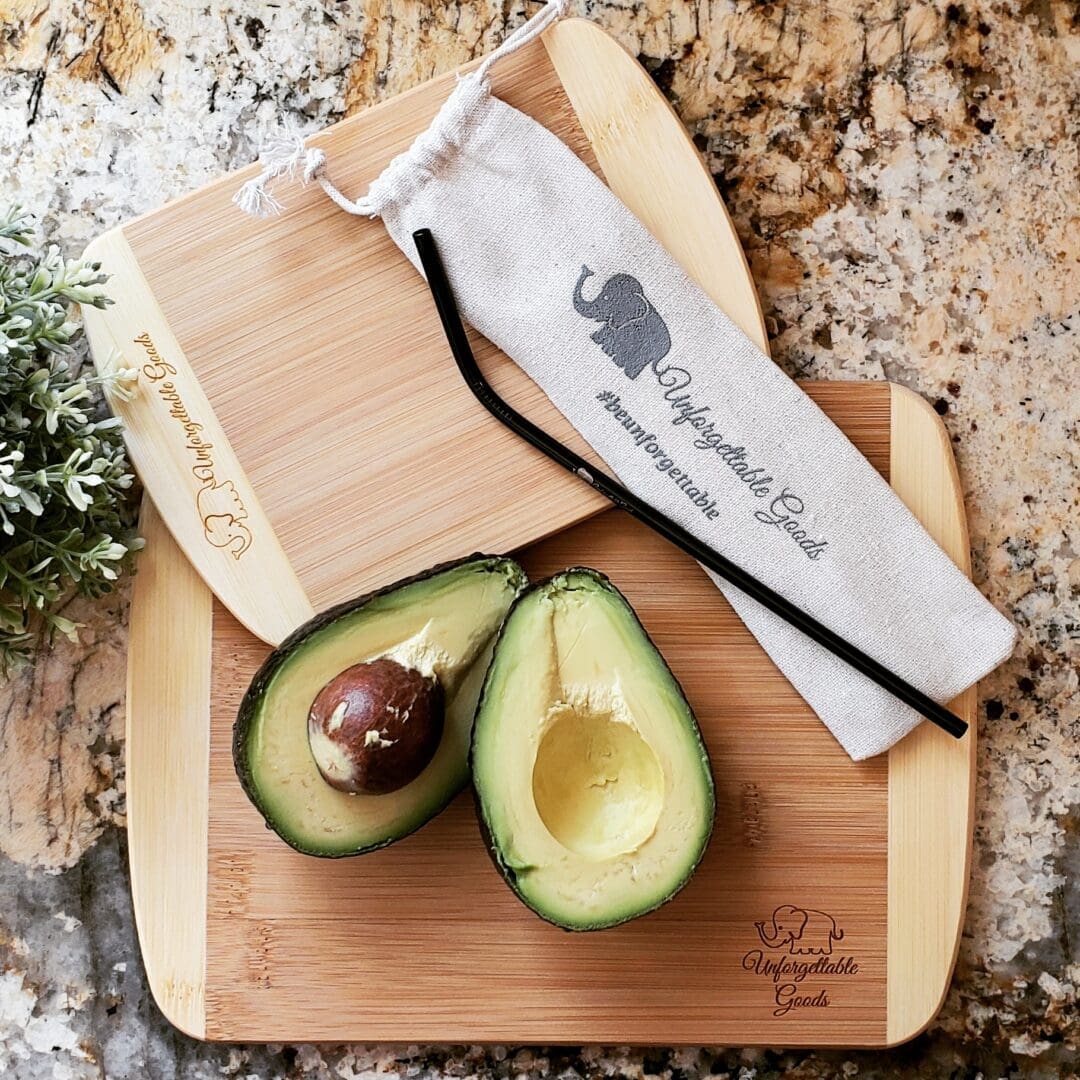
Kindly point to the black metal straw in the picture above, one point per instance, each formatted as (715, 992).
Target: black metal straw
(626, 500)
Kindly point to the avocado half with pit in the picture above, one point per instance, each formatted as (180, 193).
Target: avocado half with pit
(592, 780)
(355, 730)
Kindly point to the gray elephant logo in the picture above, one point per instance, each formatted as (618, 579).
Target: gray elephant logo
(223, 514)
(634, 333)
(802, 931)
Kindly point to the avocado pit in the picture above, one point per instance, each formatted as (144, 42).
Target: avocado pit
(374, 727)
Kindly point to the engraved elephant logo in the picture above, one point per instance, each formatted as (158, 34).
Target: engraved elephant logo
(802, 931)
(223, 514)
(634, 333)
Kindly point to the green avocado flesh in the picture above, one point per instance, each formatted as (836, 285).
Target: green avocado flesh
(442, 623)
(592, 780)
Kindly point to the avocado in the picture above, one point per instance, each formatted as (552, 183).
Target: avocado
(435, 633)
(592, 782)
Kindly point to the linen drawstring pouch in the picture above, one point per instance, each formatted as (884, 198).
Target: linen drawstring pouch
(550, 266)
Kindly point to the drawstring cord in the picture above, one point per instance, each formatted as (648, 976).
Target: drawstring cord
(547, 16)
(284, 152)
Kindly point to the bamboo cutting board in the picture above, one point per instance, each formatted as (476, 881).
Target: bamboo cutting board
(339, 430)
(244, 939)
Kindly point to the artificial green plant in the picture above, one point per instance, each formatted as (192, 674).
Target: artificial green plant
(67, 521)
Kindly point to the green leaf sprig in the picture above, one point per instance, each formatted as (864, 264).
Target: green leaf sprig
(67, 520)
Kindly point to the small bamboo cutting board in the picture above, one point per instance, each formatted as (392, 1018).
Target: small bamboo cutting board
(301, 425)
(244, 939)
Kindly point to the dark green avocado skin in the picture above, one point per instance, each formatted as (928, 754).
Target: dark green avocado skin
(245, 714)
(507, 872)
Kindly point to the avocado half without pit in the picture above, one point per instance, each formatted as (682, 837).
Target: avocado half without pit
(592, 780)
(355, 730)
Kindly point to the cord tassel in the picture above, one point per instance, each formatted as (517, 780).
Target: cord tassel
(285, 152)
(282, 154)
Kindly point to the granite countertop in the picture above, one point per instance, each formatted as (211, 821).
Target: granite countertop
(904, 177)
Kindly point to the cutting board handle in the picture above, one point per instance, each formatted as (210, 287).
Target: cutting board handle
(183, 456)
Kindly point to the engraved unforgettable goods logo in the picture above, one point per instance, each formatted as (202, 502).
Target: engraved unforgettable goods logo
(797, 958)
(636, 337)
(217, 502)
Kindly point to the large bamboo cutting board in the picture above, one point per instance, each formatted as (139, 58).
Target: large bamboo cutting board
(245, 939)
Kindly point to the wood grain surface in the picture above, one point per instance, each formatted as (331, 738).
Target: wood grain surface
(184, 459)
(931, 781)
(167, 748)
(314, 342)
(421, 942)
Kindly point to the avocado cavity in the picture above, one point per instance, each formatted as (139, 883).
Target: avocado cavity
(598, 786)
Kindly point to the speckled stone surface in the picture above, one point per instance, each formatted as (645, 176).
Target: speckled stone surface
(905, 178)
